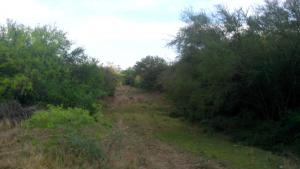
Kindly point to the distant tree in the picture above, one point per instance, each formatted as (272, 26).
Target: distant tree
(149, 69)
(128, 76)
(111, 79)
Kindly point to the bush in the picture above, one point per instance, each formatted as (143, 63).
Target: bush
(240, 72)
(111, 79)
(38, 65)
(128, 76)
(58, 117)
(147, 72)
(68, 136)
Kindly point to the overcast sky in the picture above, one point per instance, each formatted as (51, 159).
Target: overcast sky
(115, 31)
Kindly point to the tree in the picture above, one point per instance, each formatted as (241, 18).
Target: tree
(128, 76)
(149, 70)
(240, 70)
(37, 65)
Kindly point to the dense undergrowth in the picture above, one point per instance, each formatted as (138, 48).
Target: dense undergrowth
(237, 72)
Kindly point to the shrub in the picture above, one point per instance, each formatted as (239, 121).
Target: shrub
(148, 71)
(68, 136)
(58, 117)
(128, 76)
(240, 72)
(38, 65)
(111, 79)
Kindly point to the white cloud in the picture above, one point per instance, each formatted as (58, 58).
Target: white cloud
(103, 29)
(124, 41)
(231, 4)
(29, 11)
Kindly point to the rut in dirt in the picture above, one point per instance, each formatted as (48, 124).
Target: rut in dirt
(132, 147)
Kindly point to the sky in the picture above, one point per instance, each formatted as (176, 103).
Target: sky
(114, 31)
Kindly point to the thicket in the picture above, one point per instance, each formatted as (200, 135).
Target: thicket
(41, 65)
(146, 73)
(239, 72)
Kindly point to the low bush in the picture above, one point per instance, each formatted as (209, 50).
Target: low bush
(58, 117)
(68, 134)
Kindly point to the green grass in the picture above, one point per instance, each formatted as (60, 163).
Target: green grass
(228, 153)
(71, 137)
(153, 120)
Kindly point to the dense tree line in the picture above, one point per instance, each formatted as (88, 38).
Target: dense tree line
(239, 73)
(237, 63)
(39, 65)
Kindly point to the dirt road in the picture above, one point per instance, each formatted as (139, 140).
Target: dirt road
(133, 145)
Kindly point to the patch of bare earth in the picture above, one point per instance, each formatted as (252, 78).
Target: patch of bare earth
(128, 149)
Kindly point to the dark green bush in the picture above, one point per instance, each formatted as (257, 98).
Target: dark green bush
(240, 73)
(128, 76)
(147, 72)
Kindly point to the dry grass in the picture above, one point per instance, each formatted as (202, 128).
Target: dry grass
(18, 151)
(127, 149)
(132, 145)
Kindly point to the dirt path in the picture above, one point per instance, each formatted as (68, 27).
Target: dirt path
(132, 145)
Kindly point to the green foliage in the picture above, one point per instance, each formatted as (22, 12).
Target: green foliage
(57, 117)
(128, 76)
(150, 117)
(38, 65)
(239, 71)
(69, 136)
(147, 72)
(111, 79)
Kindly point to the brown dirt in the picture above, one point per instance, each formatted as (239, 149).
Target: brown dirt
(128, 149)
